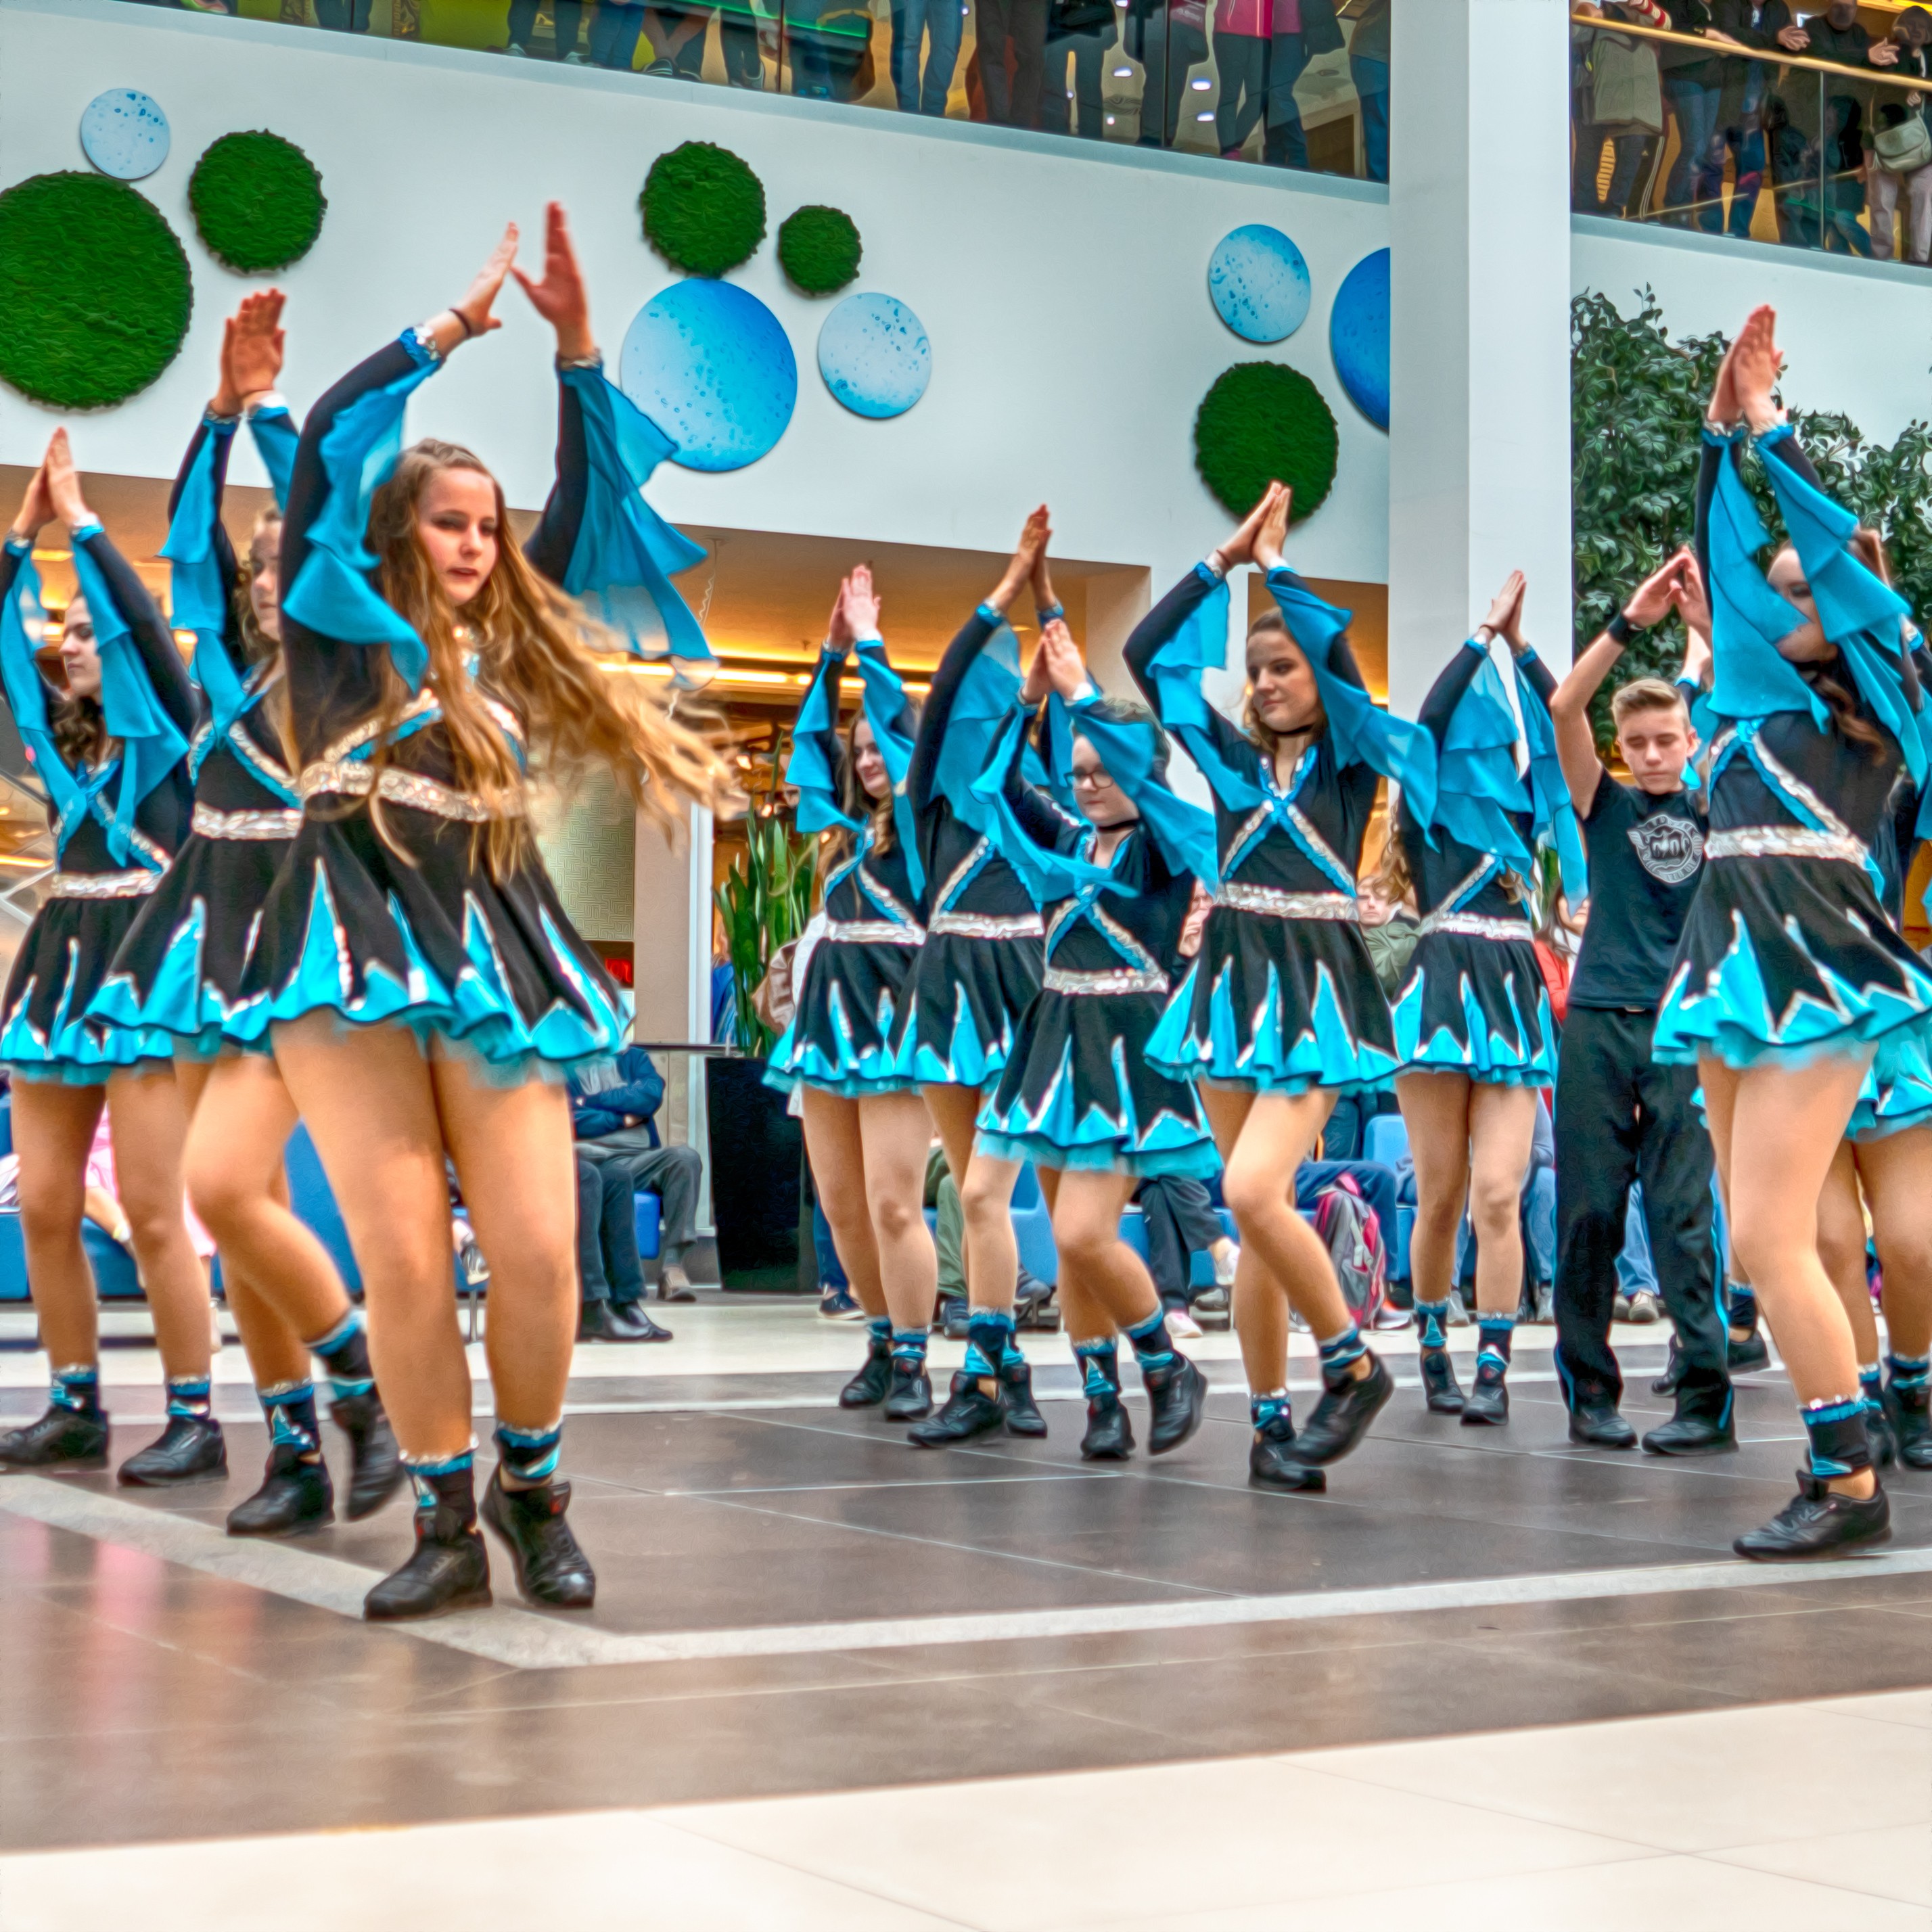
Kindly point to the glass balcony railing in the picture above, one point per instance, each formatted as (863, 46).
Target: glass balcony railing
(1293, 83)
(1766, 144)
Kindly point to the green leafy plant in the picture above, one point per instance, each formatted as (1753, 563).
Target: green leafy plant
(819, 250)
(95, 292)
(257, 200)
(764, 903)
(1262, 422)
(703, 209)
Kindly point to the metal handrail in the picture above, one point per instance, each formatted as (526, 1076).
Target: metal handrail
(1881, 76)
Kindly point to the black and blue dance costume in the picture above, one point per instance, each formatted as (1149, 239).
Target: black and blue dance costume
(116, 823)
(1788, 955)
(1283, 997)
(981, 964)
(844, 1037)
(181, 967)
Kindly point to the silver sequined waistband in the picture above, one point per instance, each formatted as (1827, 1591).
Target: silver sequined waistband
(252, 825)
(874, 932)
(989, 925)
(353, 777)
(1280, 904)
(1476, 926)
(1118, 980)
(135, 885)
(1783, 841)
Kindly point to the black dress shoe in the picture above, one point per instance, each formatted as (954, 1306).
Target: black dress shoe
(1023, 1415)
(1441, 1391)
(63, 1438)
(551, 1568)
(1818, 1522)
(1752, 1352)
(1273, 1464)
(1110, 1433)
(599, 1321)
(1178, 1395)
(449, 1569)
(376, 1471)
(1597, 1425)
(969, 1412)
(1910, 1410)
(867, 1389)
(1341, 1417)
(1880, 1434)
(1687, 1433)
(635, 1320)
(1667, 1383)
(189, 1450)
(1486, 1405)
(910, 1395)
(296, 1498)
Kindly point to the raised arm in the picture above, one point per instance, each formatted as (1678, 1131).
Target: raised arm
(1459, 673)
(561, 299)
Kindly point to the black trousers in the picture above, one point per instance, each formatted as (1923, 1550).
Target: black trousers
(608, 1266)
(1179, 1215)
(1621, 1118)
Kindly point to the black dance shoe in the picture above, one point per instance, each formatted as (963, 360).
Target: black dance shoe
(1818, 1522)
(448, 1571)
(969, 1412)
(1486, 1405)
(190, 1450)
(867, 1389)
(376, 1471)
(1752, 1352)
(1441, 1392)
(1597, 1425)
(1687, 1433)
(1667, 1383)
(63, 1438)
(1023, 1415)
(296, 1498)
(1273, 1463)
(1177, 1396)
(1910, 1411)
(551, 1568)
(635, 1320)
(1110, 1433)
(1341, 1417)
(1882, 1437)
(910, 1395)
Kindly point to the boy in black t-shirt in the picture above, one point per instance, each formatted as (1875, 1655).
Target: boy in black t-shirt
(1621, 1118)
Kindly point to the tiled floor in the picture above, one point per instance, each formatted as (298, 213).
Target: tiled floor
(1486, 1679)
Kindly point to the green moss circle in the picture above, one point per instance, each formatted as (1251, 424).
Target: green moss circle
(257, 201)
(704, 209)
(1262, 422)
(819, 250)
(95, 291)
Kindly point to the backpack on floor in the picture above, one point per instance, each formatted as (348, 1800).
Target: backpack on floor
(1352, 1233)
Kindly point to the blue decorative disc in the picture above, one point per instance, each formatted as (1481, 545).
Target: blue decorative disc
(124, 133)
(874, 356)
(1259, 283)
(1358, 336)
(711, 366)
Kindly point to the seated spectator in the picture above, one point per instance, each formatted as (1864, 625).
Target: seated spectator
(611, 1106)
(610, 1270)
(1178, 1215)
(1390, 929)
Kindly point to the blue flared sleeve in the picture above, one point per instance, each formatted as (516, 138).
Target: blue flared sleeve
(22, 624)
(984, 703)
(1044, 857)
(811, 769)
(890, 713)
(198, 590)
(276, 439)
(1184, 833)
(1170, 669)
(332, 594)
(625, 554)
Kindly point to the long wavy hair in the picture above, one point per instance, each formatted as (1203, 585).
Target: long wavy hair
(539, 654)
(77, 725)
(859, 805)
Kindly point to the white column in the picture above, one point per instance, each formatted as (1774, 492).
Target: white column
(1479, 233)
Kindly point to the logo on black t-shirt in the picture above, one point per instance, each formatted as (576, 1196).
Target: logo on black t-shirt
(1669, 848)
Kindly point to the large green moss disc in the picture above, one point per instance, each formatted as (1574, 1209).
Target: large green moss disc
(94, 290)
(257, 201)
(1262, 422)
(819, 250)
(703, 209)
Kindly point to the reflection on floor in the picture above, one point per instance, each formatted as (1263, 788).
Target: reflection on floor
(1528, 1682)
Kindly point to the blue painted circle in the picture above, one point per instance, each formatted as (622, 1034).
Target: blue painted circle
(874, 356)
(711, 366)
(124, 133)
(1258, 281)
(1358, 336)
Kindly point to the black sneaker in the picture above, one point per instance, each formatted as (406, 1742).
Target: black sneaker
(1818, 1522)
(910, 1395)
(1879, 1432)
(1687, 1433)
(1023, 1415)
(1341, 1417)
(449, 1569)
(954, 1317)
(190, 1450)
(1753, 1351)
(63, 1438)
(1273, 1464)
(1910, 1410)
(969, 1412)
(551, 1568)
(1178, 1395)
(1486, 1405)
(296, 1497)
(1442, 1393)
(1110, 1433)
(376, 1471)
(1597, 1425)
(867, 1389)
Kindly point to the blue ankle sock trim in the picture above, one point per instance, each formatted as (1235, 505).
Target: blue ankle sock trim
(1263, 1409)
(530, 1455)
(1013, 1357)
(1871, 1386)
(1497, 1331)
(989, 1336)
(288, 1408)
(1153, 1348)
(441, 1465)
(880, 1327)
(1836, 1431)
(1339, 1351)
(351, 1325)
(1435, 1318)
(77, 1389)
(1910, 1372)
(187, 1395)
(909, 1344)
(1100, 1363)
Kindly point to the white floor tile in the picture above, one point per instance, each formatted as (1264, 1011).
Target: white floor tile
(1889, 1707)
(1892, 1861)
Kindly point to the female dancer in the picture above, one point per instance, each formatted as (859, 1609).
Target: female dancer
(1281, 1012)
(1473, 1026)
(977, 972)
(1788, 972)
(866, 1130)
(1078, 1098)
(180, 967)
(109, 744)
(424, 985)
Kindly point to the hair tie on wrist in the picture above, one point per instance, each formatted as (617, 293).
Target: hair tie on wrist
(469, 327)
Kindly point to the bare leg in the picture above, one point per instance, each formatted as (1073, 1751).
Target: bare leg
(1502, 1136)
(1087, 1228)
(53, 1129)
(1898, 1175)
(987, 1199)
(150, 1125)
(1436, 1109)
(895, 1131)
(992, 1255)
(1841, 1249)
(838, 1174)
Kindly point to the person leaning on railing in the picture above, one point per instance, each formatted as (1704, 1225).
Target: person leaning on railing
(1759, 25)
(1898, 148)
